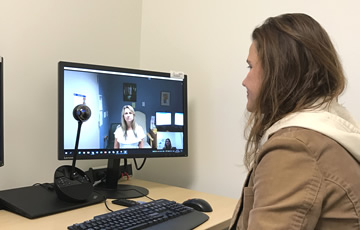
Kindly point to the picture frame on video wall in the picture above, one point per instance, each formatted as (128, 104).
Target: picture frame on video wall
(129, 92)
(165, 98)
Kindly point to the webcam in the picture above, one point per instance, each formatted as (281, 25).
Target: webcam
(71, 183)
(81, 113)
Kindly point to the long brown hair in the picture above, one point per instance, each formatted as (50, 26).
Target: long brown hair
(300, 67)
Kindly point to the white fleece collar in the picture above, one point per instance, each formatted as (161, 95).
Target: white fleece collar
(333, 121)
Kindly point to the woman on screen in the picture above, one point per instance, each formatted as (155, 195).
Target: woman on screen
(129, 134)
(168, 145)
(302, 149)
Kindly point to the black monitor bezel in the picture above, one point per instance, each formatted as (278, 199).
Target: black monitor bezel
(1, 111)
(140, 153)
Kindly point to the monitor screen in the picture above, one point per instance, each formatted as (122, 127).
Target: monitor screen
(124, 104)
(1, 112)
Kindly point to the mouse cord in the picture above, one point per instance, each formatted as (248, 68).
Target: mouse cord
(107, 207)
(48, 186)
(105, 198)
(142, 194)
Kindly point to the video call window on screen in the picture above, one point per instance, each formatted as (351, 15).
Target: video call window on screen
(156, 99)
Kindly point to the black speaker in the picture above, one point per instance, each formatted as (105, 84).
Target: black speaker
(79, 188)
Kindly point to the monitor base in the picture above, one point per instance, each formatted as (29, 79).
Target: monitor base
(122, 191)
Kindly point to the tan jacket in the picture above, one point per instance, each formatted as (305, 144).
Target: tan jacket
(301, 179)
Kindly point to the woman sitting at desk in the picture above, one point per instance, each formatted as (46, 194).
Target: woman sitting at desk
(129, 134)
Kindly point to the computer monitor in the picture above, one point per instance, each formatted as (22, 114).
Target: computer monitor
(1, 112)
(106, 91)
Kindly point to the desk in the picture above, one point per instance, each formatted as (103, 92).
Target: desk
(219, 219)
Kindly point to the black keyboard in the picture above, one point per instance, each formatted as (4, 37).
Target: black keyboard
(159, 214)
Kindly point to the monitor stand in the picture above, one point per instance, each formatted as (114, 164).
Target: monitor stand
(111, 189)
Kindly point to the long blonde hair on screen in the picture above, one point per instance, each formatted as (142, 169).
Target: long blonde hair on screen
(124, 125)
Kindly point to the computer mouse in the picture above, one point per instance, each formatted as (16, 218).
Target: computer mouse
(198, 204)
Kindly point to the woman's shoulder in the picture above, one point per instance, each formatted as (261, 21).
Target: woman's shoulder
(139, 128)
(296, 133)
(294, 140)
(118, 129)
(140, 131)
(300, 134)
(288, 149)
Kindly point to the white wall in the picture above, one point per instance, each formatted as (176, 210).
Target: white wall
(209, 40)
(34, 37)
